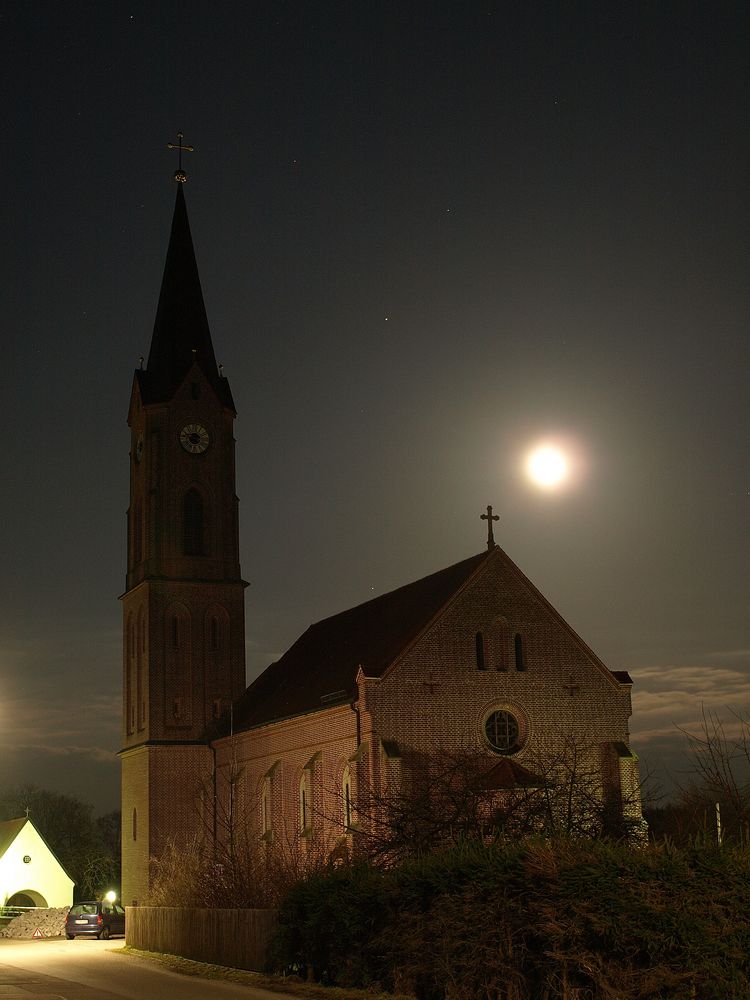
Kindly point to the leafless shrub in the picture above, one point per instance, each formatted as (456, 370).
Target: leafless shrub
(720, 768)
(450, 798)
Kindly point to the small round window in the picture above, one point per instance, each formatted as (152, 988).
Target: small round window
(503, 732)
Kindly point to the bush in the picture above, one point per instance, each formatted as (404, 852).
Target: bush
(330, 923)
(595, 921)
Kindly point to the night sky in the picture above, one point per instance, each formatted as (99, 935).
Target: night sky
(429, 235)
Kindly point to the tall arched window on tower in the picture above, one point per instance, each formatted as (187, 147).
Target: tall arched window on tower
(130, 675)
(178, 687)
(193, 527)
(141, 669)
(137, 534)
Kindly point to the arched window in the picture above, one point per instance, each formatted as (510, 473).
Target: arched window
(347, 799)
(175, 632)
(307, 796)
(137, 534)
(518, 643)
(479, 643)
(140, 669)
(135, 825)
(266, 807)
(304, 802)
(214, 632)
(130, 676)
(192, 524)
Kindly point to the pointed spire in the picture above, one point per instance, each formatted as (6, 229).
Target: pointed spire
(181, 333)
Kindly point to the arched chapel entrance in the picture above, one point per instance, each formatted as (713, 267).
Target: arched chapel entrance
(27, 897)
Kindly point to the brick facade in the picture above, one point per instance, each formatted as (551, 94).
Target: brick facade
(434, 699)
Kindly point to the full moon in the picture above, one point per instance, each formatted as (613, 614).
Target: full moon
(547, 466)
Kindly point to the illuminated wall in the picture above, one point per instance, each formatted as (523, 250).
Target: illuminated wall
(28, 866)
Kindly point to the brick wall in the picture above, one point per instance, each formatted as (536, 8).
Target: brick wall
(312, 750)
(164, 785)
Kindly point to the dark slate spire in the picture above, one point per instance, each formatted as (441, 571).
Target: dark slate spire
(181, 334)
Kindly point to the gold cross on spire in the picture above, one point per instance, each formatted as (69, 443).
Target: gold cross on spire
(179, 175)
(489, 517)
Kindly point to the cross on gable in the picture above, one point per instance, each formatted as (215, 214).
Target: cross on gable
(489, 517)
(570, 687)
(431, 684)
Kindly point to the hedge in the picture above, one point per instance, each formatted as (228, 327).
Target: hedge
(534, 920)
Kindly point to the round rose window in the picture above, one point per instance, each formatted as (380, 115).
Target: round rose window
(503, 732)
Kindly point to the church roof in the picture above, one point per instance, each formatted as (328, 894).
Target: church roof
(321, 667)
(181, 333)
(622, 676)
(9, 830)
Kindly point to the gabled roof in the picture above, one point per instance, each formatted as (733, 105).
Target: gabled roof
(181, 332)
(321, 667)
(9, 830)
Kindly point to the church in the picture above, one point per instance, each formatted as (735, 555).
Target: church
(471, 659)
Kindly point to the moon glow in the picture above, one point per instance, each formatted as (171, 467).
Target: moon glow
(547, 466)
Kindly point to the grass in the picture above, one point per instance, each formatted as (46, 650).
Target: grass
(274, 984)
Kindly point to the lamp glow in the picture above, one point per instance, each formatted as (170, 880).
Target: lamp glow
(111, 896)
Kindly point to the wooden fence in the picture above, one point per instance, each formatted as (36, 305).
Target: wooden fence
(237, 938)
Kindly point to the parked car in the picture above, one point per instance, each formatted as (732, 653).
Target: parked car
(94, 919)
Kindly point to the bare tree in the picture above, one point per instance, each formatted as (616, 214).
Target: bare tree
(719, 765)
(449, 798)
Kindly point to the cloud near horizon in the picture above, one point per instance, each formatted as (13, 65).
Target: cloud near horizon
(72, 724)
(101, 754)
(668, 699)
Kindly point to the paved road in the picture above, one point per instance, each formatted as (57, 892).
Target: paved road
(56, 969)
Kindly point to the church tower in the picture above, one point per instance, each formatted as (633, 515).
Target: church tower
(183, 607)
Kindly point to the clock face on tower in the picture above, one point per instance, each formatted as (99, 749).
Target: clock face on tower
(194, 438)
